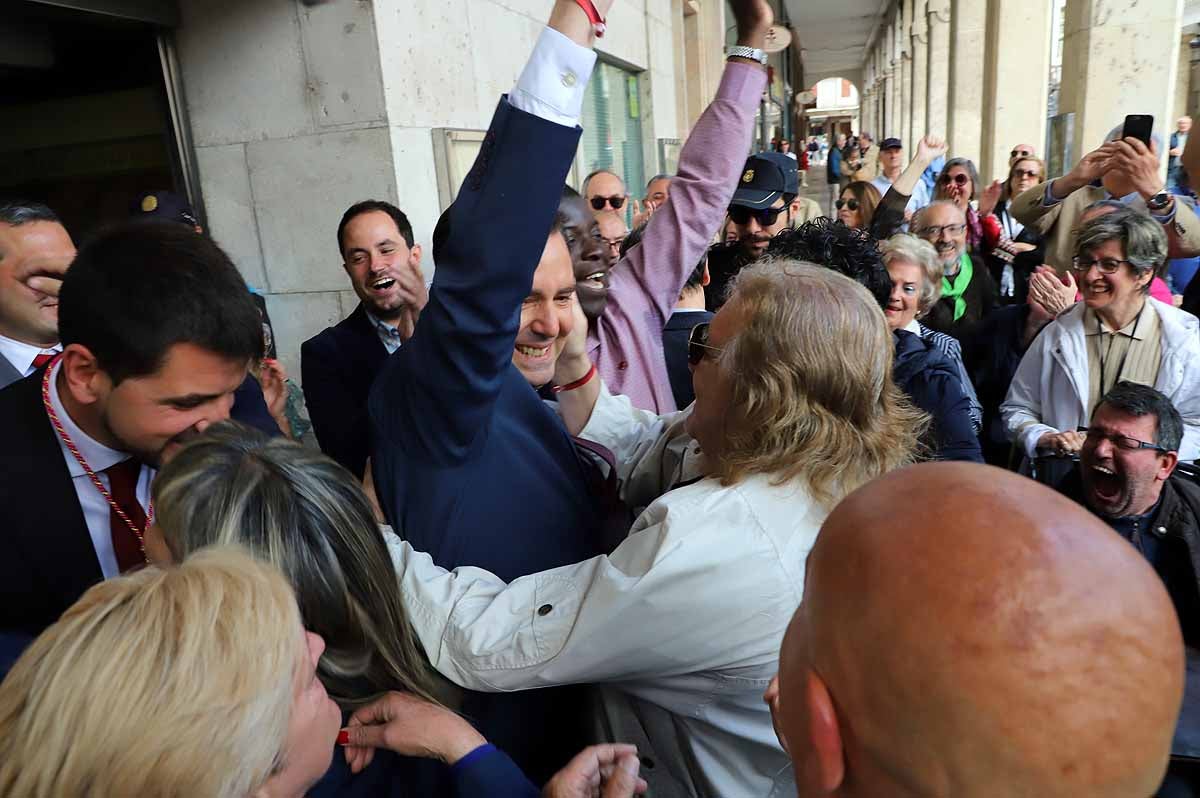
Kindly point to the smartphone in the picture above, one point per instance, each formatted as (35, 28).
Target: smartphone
(1138, 126)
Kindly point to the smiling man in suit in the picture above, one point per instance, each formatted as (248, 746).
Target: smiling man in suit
(157, 331)
(35, 251)
(338, 365)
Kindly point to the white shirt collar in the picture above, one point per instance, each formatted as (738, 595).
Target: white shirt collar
(21, 354)
(913, 326)
(98, 456)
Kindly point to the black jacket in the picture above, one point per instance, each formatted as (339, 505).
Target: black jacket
(1177, 524)
(981, 300)
(675, 346)
(338, 367)
(932, 382)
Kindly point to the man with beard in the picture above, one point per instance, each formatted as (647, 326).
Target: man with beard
(339, 364)
(759, 210)
(1127, 477)
(968, 291)
(35, 251)
(158, 331)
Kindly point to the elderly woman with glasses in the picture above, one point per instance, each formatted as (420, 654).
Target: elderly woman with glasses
(1117, 333)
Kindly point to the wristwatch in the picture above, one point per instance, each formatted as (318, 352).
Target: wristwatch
(1159, 201)
(753, 53)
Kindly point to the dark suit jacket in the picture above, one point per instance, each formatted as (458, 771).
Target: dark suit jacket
(337, 368)
(469, 464)
(48, 559)
(675, 344)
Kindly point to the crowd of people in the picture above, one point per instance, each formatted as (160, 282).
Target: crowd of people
(647, 495)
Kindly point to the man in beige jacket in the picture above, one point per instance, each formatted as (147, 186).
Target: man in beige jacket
(1128, 171)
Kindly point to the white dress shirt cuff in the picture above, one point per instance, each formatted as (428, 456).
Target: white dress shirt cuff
(554, 79)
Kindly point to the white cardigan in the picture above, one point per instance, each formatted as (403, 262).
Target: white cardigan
(681, 624)
(1049, 392)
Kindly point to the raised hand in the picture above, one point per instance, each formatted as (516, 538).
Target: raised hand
(1138, 164)
(989, 197)
(1092, 165)
(753, 18)
(642, 211)
(929, 148)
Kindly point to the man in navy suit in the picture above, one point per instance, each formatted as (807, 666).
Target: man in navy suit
(687, 314)
(339, 365)
(469, 464)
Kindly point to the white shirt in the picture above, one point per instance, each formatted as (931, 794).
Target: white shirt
(682, 622)
(95, 507)
(553, 82)
(21, 354)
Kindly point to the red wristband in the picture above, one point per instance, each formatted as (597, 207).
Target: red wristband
(579, 383)
(593, 16)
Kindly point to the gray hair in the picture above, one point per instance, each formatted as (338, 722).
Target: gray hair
(18, 212)
(1143, 239)
(968, 165)
(583, 189)
(919, 220)
(1142, 400)
(308, 516)
(908, 247)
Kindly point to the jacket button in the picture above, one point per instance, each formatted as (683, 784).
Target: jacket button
(545, 609)
(624, 364)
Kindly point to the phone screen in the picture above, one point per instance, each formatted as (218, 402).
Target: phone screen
(1138, 126)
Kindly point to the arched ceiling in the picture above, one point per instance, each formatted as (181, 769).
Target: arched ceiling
(833, 35)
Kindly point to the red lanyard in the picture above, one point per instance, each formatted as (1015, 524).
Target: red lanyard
(73, 449)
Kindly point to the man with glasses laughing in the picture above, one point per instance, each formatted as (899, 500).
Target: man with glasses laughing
(1127, 477)
(759, 210)
(968, 291)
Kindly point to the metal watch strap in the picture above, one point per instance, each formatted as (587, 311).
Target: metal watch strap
(752, 53)
(1159, 201)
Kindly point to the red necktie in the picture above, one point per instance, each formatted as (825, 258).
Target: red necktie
(42, 360)
(122, 480)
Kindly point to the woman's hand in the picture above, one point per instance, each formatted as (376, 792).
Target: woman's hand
(990, 197)
(606, 771)
(410, 726)
(1061, 443)
(1049, 291)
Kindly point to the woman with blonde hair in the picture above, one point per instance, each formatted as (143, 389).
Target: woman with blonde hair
(795, 407)
(193, 681)
(916, 274)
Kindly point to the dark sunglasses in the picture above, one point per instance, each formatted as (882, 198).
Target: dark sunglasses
(698, 344)
(1021, 153)
(766, 217)
(1025, 173)
(958, 179)
(852, 204)
(599, 202)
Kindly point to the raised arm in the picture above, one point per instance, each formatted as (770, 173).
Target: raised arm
(680, 231)
(435, 394)
(890, 213)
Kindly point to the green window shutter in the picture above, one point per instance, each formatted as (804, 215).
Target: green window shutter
(612, 126)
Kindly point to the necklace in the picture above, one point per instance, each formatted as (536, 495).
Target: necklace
(1111, 340)
(74, 450)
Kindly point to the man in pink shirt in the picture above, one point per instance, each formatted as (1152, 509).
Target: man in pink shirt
(625, 342)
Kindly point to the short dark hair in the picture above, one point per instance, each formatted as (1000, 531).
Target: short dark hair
(659, 176)
(1142, 400)
(16, 212)
(854, 253)
(367, 206)
(141, 287)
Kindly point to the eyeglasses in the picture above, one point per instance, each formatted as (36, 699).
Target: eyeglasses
(959, 179)
(599, 202)
(1120, 441)
(935, 231)
(1105, 265)
(1025, 173)
(852, 204)
(766, 217)
(698, 344)
(1021, 153)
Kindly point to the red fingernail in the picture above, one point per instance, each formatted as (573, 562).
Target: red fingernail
(343, 737)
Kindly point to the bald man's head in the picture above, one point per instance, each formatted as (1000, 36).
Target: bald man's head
(1003, 643)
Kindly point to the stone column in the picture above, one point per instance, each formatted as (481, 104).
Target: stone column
(965, 119)
(895, 107)
(1118, 58)
(1016, 81)
(906, 74)
(919, 44)
(938, 86)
